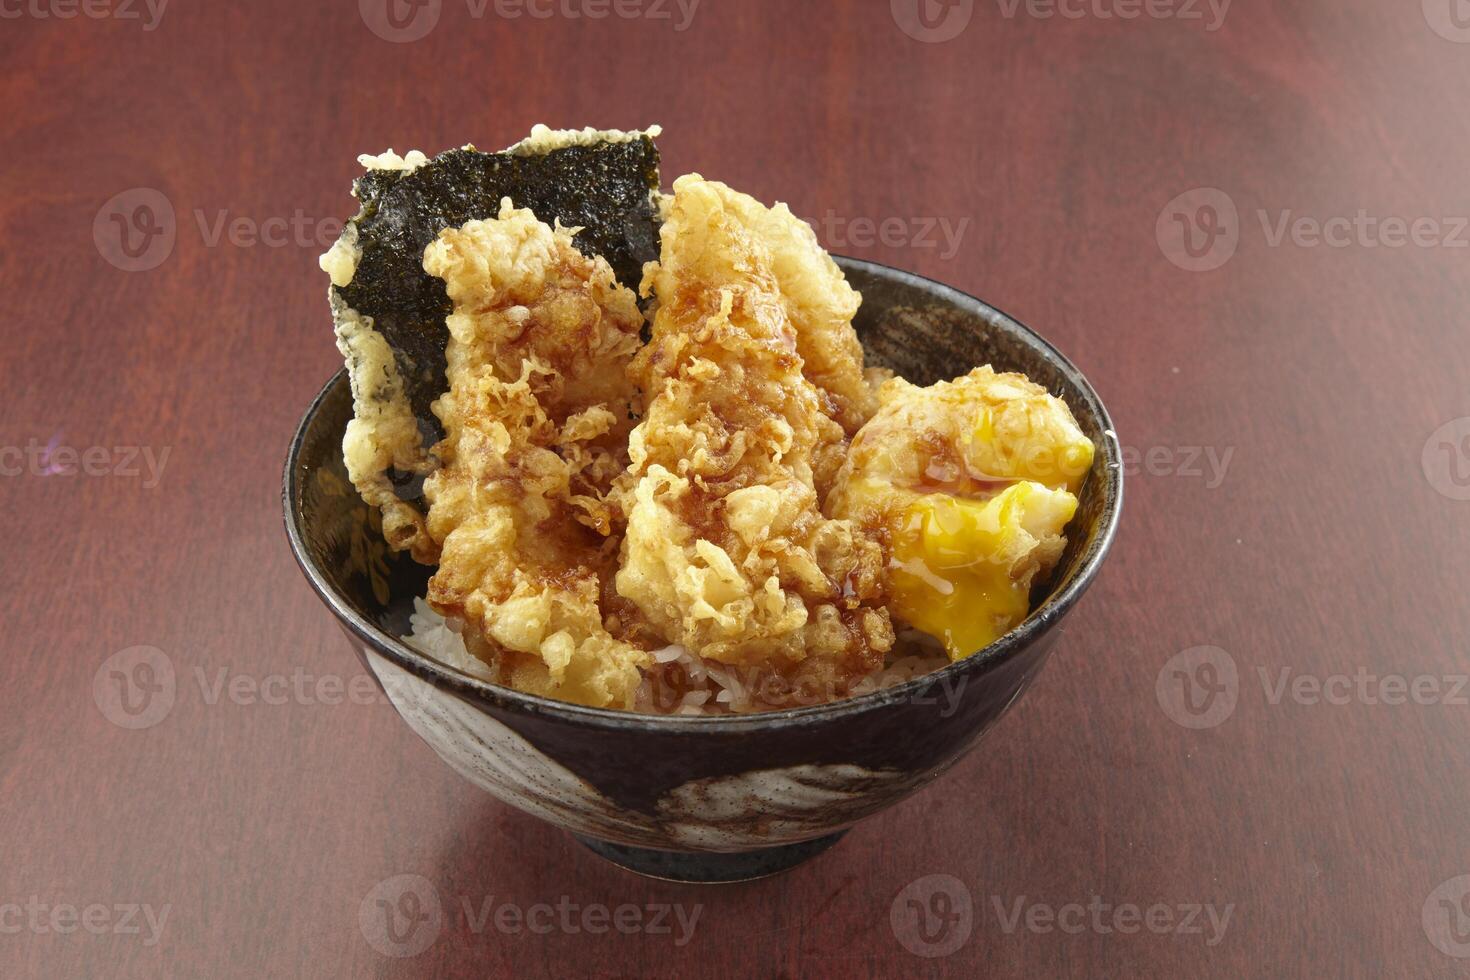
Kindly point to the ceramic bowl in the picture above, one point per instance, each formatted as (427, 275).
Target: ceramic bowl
(725, 798)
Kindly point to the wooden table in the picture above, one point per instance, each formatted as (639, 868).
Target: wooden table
(1289, 390)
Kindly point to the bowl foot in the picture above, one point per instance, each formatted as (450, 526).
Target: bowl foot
(709, 867)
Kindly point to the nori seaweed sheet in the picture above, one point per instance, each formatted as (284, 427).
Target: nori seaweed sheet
(604, 188)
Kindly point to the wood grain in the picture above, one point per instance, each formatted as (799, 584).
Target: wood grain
(1050, 146)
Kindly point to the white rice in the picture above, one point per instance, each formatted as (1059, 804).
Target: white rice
(680, 683)
(435, 637)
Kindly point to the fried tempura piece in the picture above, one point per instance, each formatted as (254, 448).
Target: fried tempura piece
(972, 482)
(819, 303)
(383, 445)
(727, 551)
(389, 313)
(536, 418)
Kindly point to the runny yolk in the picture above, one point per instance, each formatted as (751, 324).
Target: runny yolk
(955, 561)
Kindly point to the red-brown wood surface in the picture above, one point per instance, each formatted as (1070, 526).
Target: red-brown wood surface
(1294, 503)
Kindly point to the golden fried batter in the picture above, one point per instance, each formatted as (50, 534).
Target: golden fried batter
(973, 482)
(819, 303)
(536, 421)
(727, 551)
(738, 492)
(382, 436)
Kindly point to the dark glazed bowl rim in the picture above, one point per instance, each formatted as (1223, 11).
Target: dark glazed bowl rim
(1041, 619)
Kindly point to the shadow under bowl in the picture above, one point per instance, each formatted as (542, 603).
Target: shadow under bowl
(711, 798)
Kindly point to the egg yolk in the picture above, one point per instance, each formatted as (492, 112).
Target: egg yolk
(974, 481)
(959, 567)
